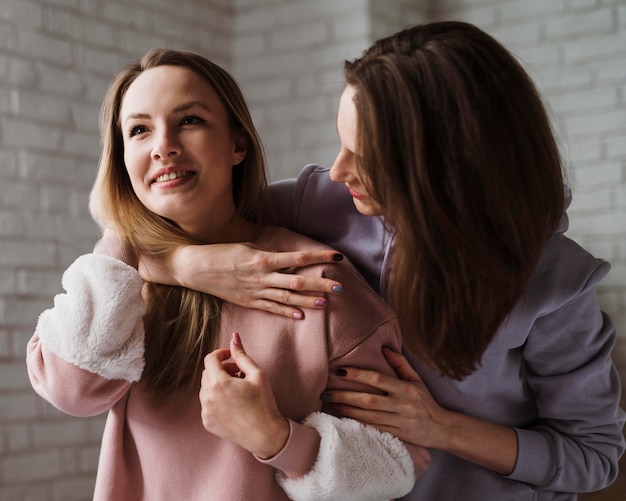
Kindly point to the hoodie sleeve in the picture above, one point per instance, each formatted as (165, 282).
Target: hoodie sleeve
(93, 333)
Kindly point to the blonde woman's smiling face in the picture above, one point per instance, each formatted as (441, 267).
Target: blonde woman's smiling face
(180, 149)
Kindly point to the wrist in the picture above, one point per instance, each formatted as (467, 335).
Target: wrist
(275, 438)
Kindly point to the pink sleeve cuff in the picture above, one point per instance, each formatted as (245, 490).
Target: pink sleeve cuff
(299, 453)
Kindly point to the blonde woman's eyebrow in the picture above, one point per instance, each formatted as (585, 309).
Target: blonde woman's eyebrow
(177, 109)
(192, 104)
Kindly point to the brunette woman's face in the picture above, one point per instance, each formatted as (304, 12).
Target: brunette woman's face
(344, 169)
(179, 149)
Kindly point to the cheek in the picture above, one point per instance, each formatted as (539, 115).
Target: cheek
(134, 167)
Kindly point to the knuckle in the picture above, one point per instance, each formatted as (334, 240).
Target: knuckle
(296, 282)
(376, 379)
(283, 296)
(369, 399)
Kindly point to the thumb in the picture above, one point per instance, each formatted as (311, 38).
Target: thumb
(401, 365)
(239, 355)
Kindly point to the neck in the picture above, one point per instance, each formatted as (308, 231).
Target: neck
(234, 229)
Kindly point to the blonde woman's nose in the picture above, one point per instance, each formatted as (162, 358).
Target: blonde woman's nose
(166, 145)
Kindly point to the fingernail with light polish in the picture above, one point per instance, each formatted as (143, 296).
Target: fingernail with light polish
(298, 315)
(320, 302)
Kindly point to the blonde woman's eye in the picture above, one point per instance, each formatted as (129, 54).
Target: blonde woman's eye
(137, 129)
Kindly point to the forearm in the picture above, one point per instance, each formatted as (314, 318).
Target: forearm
(487, 444)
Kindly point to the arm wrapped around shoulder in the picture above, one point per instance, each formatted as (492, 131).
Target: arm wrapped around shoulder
(354, 462)
(98, 324)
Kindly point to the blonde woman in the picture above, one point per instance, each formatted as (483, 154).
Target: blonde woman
(193, 414)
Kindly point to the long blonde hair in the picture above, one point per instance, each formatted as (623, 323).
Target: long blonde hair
(180, 324)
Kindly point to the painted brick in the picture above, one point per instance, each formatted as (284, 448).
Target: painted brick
(25, 254)
(76, 26)
(63, 82)
(23, 13)
(24, 312)
(598, 47)
(84, 144)
(48, 48)
(37, 167)
(49, 434)
(21, 195)
(24, 492)
(42, 283)
(11, 224)
(16, 406)
(32, 466)
(18, 132)
(8, 282)
(298, 37)
(616, 146)
(576, 5)
(73, 489)
(270, 89)
(519, 36)
(42, 107)
(585, 100)
(593, 22)
(560, 79)
(18, 436)
(102, 61)
(126, 14)
(263, 17)
(510, 12)
(85, 116)
(350, 25)
(596, 123)
(486, 17)
(20, 72)
(605, 174)
(13, 376)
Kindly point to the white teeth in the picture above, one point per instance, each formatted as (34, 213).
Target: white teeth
(172, 175)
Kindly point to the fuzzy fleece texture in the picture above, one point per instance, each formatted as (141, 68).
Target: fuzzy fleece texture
(81, 328)
(346, 442)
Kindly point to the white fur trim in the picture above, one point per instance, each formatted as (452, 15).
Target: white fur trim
(355, 462)
(98, 324)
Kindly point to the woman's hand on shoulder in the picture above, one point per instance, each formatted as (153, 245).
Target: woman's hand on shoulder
(244, 275)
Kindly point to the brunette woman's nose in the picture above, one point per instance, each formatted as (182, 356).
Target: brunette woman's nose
(338, 170)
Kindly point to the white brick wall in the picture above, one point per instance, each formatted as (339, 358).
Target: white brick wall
(57, 57)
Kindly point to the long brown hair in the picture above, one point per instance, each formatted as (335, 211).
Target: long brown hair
(180, 324)
(455, 145)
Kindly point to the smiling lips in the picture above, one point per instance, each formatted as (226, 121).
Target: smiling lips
(169, 176)
(357, 195)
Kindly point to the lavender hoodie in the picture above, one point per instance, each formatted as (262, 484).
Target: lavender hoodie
(547, 373)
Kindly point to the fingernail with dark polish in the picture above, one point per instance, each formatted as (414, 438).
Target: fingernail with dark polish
(342, 372)
(326, 397)
(320, 302)
(337, 257)
(337, 288)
